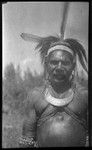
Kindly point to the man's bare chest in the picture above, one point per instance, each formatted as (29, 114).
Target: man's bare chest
(62, 124)
(77, 106)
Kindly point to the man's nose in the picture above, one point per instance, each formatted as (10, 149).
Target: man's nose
(59, 65)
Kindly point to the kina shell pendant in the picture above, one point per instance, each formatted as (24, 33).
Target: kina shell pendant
(58, 102)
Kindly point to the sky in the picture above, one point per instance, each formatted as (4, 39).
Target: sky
(43, 19)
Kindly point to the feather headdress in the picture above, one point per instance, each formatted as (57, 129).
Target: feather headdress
(45, 43)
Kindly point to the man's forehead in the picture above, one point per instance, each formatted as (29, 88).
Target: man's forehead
(60, 54)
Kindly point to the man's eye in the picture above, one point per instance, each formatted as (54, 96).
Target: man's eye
(66, 62)
(53, 62)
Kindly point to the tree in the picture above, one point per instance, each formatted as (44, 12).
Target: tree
(13, 88)
(9, 73)
(28, 80)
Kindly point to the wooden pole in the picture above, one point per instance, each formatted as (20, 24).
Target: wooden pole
(64, 19)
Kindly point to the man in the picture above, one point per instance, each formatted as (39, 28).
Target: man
(58, 110)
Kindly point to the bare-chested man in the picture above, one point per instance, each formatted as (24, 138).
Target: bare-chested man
(58, 110)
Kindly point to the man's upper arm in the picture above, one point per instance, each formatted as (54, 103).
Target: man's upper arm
(83, 92)
(29, 124)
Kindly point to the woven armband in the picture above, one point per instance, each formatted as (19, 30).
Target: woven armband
(26, 142)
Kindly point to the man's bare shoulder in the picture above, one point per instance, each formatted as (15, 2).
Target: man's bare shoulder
(35, 93)
(82, 89)
(32, 98)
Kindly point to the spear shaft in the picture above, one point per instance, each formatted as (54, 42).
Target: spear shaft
(64, 19)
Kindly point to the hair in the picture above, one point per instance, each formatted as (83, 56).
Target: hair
(73, 44)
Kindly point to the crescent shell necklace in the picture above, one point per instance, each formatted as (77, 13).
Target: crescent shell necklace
(61, 101)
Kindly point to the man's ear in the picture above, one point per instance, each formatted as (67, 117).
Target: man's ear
(74, 62)
(46, 61)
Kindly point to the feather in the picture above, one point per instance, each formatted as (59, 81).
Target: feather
(79, 50)
(31, 37)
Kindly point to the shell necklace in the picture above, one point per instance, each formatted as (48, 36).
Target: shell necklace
(59, 101)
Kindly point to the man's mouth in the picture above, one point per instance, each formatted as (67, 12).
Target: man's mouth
(59, 76)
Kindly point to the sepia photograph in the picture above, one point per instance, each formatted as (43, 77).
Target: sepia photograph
(45, 74)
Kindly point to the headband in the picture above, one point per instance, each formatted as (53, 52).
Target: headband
(61, 47)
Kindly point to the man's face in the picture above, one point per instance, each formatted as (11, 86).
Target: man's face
(60, 65)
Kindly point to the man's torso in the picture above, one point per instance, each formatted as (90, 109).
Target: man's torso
(61, 126)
